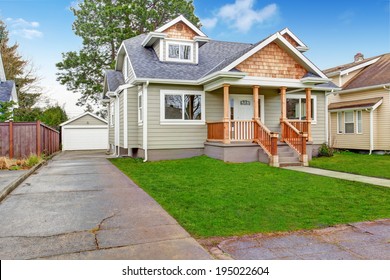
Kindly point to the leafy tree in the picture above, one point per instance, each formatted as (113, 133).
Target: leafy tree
(54, 116)
(103, 25)
(6, 110)
(22, 72)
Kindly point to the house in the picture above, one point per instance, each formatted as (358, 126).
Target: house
(176, 93)
(7, 88)
(360, 111)
(84, 132)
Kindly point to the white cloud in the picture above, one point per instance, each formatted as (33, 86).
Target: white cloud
(241, 15)
(24, 28)
(28, 33)
(209, 23)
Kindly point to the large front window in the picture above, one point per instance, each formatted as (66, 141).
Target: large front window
(182, 106)
(296, 107)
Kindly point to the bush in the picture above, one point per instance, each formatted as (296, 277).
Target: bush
(325, 151)
(33, 160)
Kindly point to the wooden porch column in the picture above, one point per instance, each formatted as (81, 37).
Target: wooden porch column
(308, 112)
(255, 103)
(283, 107)
(226, 114)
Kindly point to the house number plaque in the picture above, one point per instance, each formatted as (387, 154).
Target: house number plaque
(245, 102)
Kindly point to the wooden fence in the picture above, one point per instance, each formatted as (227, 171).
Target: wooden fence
(20, 139)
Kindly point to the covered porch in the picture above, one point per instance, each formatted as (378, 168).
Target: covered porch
(246, 127)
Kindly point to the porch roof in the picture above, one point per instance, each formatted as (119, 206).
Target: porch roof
(361, 104)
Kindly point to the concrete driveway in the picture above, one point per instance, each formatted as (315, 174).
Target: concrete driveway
(79, 206)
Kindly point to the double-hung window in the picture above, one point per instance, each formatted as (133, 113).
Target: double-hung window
(296, 107)
(178, 51)
(349, 122)
(182, 107)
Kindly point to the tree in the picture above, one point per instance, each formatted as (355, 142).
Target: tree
(6, 110)
(22, 72)
(54, 116)
(103, 25)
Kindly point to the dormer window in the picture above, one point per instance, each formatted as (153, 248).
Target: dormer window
(179, 52)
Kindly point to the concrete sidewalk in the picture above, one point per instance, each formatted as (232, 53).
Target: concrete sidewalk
(342, 175)
(80, 206)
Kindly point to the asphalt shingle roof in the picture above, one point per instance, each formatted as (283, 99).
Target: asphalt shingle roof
(6, 90)
(114, 79)
(347, 65)
(363, 103)
(212, 56)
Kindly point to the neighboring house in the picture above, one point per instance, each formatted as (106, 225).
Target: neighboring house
(360, 112)
(84, 132)
(7, 88)
(176, 93)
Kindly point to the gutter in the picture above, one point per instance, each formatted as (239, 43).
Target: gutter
(145, 119)
(364, 88)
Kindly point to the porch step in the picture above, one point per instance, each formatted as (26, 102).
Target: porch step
(285, 164)
(287, 156)
(288, 159)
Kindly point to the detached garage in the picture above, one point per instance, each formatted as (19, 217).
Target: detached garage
(84, 132)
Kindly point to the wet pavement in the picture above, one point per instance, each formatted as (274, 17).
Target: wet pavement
(80, 206)
(365, 240)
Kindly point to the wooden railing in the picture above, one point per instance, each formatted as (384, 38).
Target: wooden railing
(302, 126)
(215, 131)
(241, 130)
(265, 138)
(293, 137)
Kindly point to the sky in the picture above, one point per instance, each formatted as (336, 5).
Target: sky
(334, 30)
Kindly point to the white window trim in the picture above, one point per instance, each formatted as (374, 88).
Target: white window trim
(353, 121)
(303, 96)
(338, 122)
(140, 108)
(163, 121)
(357, 125)
(167, 58)
(112, 114)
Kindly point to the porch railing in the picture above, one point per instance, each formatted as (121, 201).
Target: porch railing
(266, 139)
(302, 126)
(215, 131)
(241, 130)
(295, 138)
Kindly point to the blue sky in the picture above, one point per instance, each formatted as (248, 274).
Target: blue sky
(334, 30)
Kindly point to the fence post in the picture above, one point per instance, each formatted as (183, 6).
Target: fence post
(11, 139)
(38, 129)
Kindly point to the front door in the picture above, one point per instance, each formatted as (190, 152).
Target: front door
(241, 107)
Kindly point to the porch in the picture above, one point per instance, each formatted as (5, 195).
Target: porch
(245, 136)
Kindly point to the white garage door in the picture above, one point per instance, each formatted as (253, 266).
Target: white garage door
(84, 138)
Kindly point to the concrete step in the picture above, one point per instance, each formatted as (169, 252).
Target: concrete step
(288, 159)
(285, 164)
(286, 154)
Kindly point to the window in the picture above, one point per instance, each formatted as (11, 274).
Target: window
(296, 107)
(140, 106)
(339, 122)
(349, 125)
(359, 128)
(112, 113)
(179, 52)
(182, 106)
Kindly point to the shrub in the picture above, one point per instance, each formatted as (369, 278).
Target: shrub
(32, 160)
(325, 151)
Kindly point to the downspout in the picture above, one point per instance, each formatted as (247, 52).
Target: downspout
(371, 130)
(145, 119)
(327, 123)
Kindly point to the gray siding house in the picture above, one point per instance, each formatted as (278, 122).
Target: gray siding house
(176, 93)
(7, 88)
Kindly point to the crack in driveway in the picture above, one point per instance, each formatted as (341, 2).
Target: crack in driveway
(95, 230)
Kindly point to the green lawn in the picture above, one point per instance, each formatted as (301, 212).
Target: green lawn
(211, 198)
(368, 165)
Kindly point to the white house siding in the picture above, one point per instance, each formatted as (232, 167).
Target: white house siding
(132, 117)
(87, 120)
(171, 136)
(111, 129)
(345, 78)
(381, 121)
(121, 142)
(318, 130)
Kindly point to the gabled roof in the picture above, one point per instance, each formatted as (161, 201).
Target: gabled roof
(377, 73)
(355, 104)
(301, 46)
(82, 115)
(349, 67)
(184, 20)
(113, 79)
(7, 89)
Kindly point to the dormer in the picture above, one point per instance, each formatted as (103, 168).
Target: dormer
(293, 40)
(177, 41)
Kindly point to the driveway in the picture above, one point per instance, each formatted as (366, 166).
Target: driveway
(79, 206)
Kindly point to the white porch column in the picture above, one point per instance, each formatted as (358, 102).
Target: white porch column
(308, 112)
(226, 114)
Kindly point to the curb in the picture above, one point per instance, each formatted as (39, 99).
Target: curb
(18, 181)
